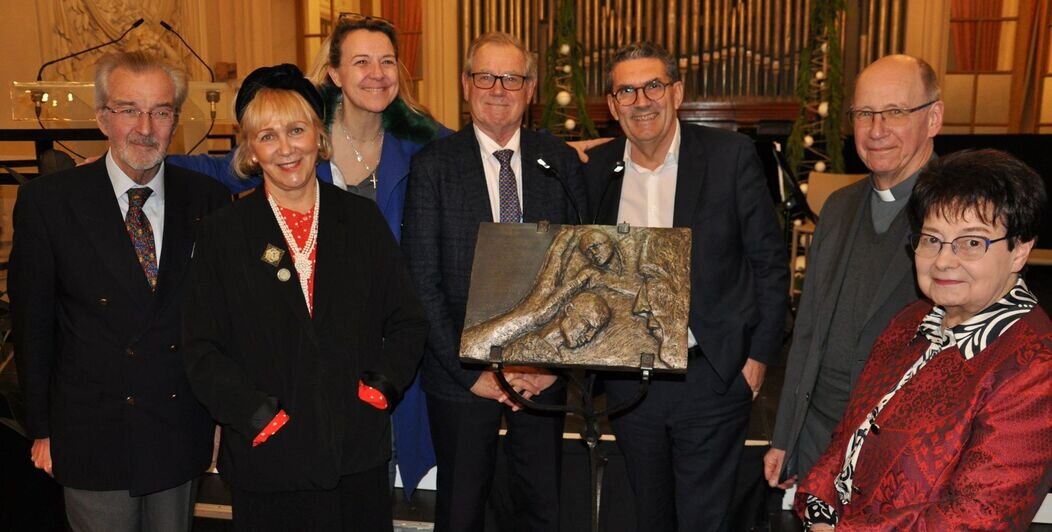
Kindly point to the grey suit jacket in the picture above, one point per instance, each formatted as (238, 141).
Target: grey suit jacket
(827, 264)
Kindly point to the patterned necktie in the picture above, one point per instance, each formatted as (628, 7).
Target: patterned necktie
(510, 212)
(141, 233)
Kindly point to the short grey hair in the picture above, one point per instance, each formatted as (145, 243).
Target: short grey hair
(641, 50)
(501, 39)
(138, 63)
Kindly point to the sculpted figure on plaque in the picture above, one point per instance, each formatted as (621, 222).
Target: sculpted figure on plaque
(600, 298)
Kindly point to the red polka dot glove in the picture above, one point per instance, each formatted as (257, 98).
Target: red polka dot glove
(273, 427)
(372, 396)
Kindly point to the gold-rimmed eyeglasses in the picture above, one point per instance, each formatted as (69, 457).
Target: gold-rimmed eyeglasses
(131, 114)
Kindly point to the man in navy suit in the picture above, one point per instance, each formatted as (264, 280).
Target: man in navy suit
(100, 253)
(683, 441)
(486, 172)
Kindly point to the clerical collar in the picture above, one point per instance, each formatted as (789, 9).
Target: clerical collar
(884, 195)
(900, 191)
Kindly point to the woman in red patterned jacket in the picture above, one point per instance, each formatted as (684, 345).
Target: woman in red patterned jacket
(950, 424)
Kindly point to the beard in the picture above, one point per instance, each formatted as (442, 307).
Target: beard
(131, 151)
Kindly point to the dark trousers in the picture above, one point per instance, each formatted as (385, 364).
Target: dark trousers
(170, 510)
(360, 502)
(465, 438)
(682, 445)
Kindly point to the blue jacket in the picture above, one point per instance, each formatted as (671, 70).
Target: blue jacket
(413, 445)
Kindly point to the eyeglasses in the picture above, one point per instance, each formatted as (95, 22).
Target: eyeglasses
(351, 16)
(131, 114)
(965, 247)
(892, 117)
(653, 89)
(510, 82)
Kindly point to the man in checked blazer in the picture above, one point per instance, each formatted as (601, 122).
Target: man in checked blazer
(455, 184)
(96, 280)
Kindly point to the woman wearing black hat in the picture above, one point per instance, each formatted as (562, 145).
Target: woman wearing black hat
(298, 293)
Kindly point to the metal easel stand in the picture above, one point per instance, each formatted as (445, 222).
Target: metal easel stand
(586, 411)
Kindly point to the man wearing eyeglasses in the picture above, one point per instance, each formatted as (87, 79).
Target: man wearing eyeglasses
(683, 441)
(97, 268)
(486, 172)
(859, 268)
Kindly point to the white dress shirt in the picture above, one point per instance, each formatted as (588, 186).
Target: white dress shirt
(154, 206)
(648, 197)
(491, 166)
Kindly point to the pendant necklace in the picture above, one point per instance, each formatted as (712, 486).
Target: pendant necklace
(300, 257)
(358, 154)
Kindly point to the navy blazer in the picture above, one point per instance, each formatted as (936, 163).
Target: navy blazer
(98, 352)
(738, 265)
(446, 201)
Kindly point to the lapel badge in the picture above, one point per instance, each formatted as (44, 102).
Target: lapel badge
(284, 275)
(272, 255)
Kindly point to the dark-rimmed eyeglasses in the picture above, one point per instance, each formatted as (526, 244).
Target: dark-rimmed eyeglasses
(131, 114)
(510, 82)
(967, 247)
(654, 90)
(892, 117)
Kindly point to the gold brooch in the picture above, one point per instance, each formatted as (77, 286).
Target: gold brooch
(272, 255)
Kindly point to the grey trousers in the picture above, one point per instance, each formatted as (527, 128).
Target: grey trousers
(170, 510)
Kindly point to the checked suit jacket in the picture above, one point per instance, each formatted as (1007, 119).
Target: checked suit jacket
(446, 201)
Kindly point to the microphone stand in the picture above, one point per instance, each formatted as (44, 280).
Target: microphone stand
(37, 95)
(211, 95)
(586, 411)
(566, 187)
(617, 172)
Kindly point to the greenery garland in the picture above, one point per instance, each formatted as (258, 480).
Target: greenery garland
(564, 80)
(816, 142)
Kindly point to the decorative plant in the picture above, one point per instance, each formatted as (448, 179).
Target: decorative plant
(565, 113)
(816, 142)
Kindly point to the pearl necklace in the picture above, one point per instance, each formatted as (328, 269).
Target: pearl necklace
(300, 257)
(358, 154)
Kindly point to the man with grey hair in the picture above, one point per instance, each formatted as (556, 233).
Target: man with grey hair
(859, 268)
(683, 441)
(96, 312)
(486, 172)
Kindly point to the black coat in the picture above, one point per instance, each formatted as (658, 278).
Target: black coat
(738, 265)
(249, 338)
(446, 201)
(97, 351)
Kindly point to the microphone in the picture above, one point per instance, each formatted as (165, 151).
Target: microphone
(616, 173)
(212, 95)
(566, 187)
(40, 73)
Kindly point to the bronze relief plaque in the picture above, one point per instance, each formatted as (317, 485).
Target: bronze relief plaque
(583, 296)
